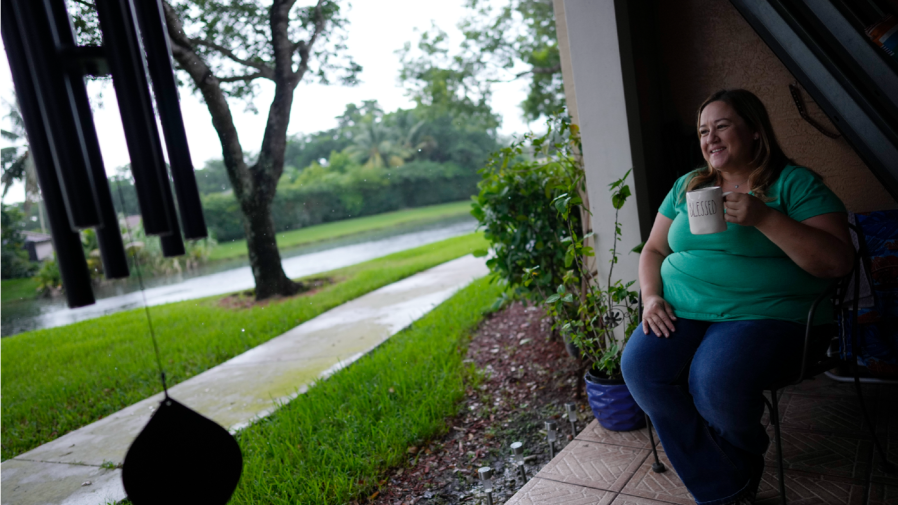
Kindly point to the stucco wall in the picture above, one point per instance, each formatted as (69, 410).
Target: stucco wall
(708, 46)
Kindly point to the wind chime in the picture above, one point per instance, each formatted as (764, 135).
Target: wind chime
(180, 456)
(48, 71)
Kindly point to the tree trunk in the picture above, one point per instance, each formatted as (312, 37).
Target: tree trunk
(264, 257)
(254, 187)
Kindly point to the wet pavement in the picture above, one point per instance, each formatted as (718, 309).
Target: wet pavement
(235, 393)
(18, 317)
(827, 450)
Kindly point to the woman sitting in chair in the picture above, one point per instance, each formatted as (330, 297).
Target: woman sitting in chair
(724, 313)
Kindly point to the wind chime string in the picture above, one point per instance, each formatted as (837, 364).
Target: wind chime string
(146, 305)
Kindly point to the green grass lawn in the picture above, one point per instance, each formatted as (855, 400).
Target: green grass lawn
(334, 443)
(321, 232)
(13, 290)
(59, 379)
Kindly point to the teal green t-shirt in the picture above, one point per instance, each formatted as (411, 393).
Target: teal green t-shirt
(739, 274)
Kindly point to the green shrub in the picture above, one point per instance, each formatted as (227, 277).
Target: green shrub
(534, 215)
(320, 195)
(49, 280)
(515, 209)
(15, 262)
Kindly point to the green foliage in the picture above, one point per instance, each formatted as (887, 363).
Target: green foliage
(516, 210)
(444, 84)
(520, 33)
(227, 35)
(367, 136)
(16, 162)
(332, 444)
(148, 252)
(103, 365)
(212, 178)
(586, 312)
(15, 262)
(501, 44)
(533, 214)
(14, 290)
(352, 227)
(49, 280)
(321, 195)
(376, 146)
(124, 194)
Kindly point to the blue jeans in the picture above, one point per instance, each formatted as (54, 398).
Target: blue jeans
(702, 389)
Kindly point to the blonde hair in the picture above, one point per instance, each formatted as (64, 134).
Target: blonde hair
(768, 161)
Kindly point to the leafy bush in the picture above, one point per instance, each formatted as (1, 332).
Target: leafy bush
(49, 280)
(589, 313)
(15, 262)
(322, 194)
(146, 250)
(534, 217)
(515, 209)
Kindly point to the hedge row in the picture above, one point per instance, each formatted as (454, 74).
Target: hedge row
(415, 184)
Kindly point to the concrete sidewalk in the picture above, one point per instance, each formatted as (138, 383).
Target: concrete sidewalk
(69, 470)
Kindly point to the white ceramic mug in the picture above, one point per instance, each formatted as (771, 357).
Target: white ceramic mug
(705, 209)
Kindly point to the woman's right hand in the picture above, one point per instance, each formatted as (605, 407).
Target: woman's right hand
(657, 316)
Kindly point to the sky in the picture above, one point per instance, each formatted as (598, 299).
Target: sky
(376, 30)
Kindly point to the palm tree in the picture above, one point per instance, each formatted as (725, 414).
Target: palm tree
(410, 129)
(16, 161)
(377, 145)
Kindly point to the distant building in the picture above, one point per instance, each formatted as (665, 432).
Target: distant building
(38, 245)
(131, 221)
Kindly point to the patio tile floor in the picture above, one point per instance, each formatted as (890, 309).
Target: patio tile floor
(828, 456)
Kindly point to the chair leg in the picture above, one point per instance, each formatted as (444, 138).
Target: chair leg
(886, 465)
(657, 466)
(773, 407)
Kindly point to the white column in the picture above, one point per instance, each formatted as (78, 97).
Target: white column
(590, 61)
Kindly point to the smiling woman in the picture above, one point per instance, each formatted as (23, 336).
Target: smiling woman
(730, 305)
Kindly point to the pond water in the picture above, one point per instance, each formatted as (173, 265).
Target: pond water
(227, 276)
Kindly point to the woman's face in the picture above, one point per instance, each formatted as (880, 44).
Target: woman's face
(728, 144)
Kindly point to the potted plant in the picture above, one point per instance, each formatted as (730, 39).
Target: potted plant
(533, 211)
(599, 320)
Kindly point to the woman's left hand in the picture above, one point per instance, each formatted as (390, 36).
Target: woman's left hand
(744, 209)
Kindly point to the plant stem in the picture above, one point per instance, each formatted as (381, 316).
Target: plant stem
(613, 257)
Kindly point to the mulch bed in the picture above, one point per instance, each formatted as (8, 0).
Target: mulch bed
(247, 299)
(527, 378)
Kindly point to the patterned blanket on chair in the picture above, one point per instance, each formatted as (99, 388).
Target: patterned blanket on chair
(878, 337)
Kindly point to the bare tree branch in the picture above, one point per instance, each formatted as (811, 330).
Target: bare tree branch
(86, 3)
(303, 48)
(280, 40)
(264, 70)
(239, 78)
(545, 70)
(534, 70)
(210, 87)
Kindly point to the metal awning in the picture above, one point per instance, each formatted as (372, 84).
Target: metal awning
(852, 80)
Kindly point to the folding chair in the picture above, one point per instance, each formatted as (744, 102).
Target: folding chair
(814, 362)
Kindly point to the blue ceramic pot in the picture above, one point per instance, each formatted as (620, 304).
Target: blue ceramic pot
(612, 404)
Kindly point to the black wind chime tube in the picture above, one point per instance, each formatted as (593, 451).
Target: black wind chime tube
(155, 34)
(109, 237)
(66, 241)
(54, 94)
(124, 54)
